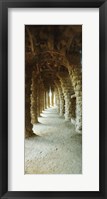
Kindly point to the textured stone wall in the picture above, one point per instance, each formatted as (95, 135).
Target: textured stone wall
(73, 108)
(34, 88)
(48, 100)
(57, 100)
(67, 105)
(44, 99)
(41, 101)
(38, 97)
(76, 78)
(52, 98)
(47, 103)
(41, 96)
(61, 102)
(67, 92)
(28, 125)
(55, 96)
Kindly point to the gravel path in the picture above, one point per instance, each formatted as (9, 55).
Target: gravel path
(55, 149)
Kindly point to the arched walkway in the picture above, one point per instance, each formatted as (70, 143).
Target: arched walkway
(53, 77)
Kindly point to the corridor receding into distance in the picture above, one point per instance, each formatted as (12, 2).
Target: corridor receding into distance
(53, 99)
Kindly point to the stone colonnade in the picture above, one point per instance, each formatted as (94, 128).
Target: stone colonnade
(68, 97)
(36, 100)
(67, 93)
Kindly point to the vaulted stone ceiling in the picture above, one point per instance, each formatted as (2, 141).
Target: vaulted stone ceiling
(51, 49)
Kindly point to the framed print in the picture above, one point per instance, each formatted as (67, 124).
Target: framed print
(53, 99)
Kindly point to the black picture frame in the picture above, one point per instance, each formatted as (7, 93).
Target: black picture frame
(4, 5)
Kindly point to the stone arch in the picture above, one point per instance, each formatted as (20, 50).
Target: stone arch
(53, 54)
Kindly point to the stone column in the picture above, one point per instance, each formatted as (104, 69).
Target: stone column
(57, 100)
(73, 108)
(52, 98)
(62, 108)
(61, 99)
(40, 100)
(55, 97)
(76, 77)
(67, 91)
(67, 97)
(34, 116)
(28, 125)
(46, 99)
(45, 104)
(38, 97)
